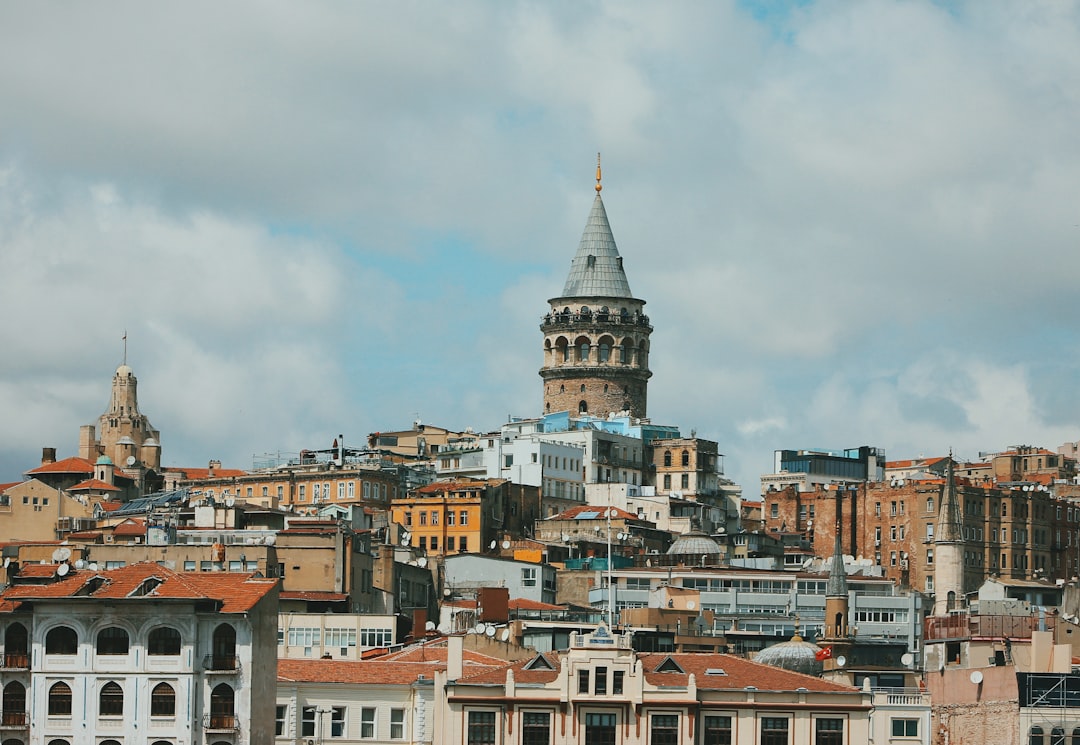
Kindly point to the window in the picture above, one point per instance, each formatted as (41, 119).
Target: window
(111, 700)
(600, 729)
(112, 640)
(877, 509)
(307, 721)
(352, 490)
(685, 481)
(450, 517)
(535, 728)
(376, 637)
(464, 517)
(717, 731)
(450, 542)
(929, 556)
(929, 531)
(337, 721)
(774, 510)
(667, 458)
(423, 542)
(664, 729)
(600, 681)
(464, 544)
(774, 731)
(434, 518)
(316, 493)
(189, 566)
(434, 543)
(481, 728)
(905, 727)
(61, 640)
(617, 682)
(60, 700)
(528, 577)
(583, 681)
(423, 517)
(929, 504)
(304, 636)
(280, 713)
(828, 731)
(163, 701)
(397, 724)
(164, 640)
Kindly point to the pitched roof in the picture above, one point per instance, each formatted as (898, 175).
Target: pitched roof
(131, 526)
(5, 487)
(527, 604)
(390, 670)
(67, 465)
(93, 485)
(237, 592)
(440, 487)
(596, 270)
(592, 512)
(313, 595)
(203, 474)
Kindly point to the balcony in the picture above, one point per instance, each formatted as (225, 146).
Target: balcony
(221, 664)
(16, 661)
(221, 723)
(964, 626)
(14, 720)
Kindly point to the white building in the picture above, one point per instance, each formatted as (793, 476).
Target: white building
(140, 654)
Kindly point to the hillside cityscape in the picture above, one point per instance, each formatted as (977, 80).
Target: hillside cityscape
(587, 574)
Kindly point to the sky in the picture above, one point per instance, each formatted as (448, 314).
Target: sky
(854, 223)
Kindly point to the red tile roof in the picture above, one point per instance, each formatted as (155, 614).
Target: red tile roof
(237, 592)
(526, 604)
(37, 571)
(133, 526)
(381, 671)
(573, 512)
(333, 597)
(439, 487)
(110, 506)
(67, 465)
(203, 474)
(93, 485)
(5, 487)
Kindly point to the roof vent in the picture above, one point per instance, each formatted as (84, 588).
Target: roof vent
(715, 671)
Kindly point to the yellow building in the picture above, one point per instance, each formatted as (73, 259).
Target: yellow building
(450, 517)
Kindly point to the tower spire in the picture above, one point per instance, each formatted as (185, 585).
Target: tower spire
(599, 186)
(125, 346)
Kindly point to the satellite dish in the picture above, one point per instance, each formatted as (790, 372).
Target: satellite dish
(94, 566)
(429, 626)
(612, 512)
(404, 541)
(976, 677)
(79, 563)
(62, 569)
(907, 658)
(421, 562)
(505, 635)
(506, 544)
(493, 545)
(270, 540)
(130, 460)
(444, 628)
(841, 661)
(566, 537)
(406, 534)
(900, 482)
(690, 605)
(481, 628)
(490, 631)
(446, 592)
(7, 560)
(229, 502)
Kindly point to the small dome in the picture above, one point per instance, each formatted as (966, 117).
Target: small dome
(125, 440)
(123, 371)
(796, 655)
(103, 460)
(150, 442)
(695, 542)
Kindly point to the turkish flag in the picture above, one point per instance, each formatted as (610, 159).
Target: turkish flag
(823, 654)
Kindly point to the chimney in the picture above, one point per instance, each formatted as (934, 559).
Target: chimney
(48, 456)
(455, 656)
(214, 464)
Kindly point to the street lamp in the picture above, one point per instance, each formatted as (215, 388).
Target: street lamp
(610, 512)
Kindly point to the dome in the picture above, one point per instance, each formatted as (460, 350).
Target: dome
(125, 440)
(150, 442)
(695, 542)
(123, 371)
(796, 655)
(103, 460)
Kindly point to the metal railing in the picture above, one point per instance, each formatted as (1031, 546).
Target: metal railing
(221, 722)
(16, 661)
(15, 719)
(221, 663)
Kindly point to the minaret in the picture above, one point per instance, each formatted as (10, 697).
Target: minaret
(836, 590)
(948, 550)
(596, 334)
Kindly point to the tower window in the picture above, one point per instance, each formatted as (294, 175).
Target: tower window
(582, 387)
(583, 408)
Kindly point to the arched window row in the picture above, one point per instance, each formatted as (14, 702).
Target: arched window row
(602, 350)
(112, 640)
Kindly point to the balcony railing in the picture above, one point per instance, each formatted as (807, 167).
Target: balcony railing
(221, 663)
(15, 719)
(221, 723)
(16, 661)
(965, 626)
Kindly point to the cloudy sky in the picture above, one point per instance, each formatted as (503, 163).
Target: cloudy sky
(853, 223)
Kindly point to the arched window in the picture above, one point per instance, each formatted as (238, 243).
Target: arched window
(582, 387)
(112, 640)
(13, 741)
(224, 657)
(583, 351)
(929, 504)
(59, 742)
(583, 408)
(222, 707)
(164, 640)
(111, 700)
(1004, 510)
(1075, 736)
(1057, 736)
(605, 352)
(1035, 736)
(667, 458)
(16, 646)
(60, 700)
(163, 701)
(14, 702)
(685, 458)
(109, 742)
(61, 640)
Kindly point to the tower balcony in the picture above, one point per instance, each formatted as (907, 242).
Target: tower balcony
(594, 320)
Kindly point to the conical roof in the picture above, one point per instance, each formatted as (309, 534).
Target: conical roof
(596, 270)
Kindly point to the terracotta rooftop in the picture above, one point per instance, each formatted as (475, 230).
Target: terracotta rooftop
(203, 474)
(526, 604)
(439, 487)
(313, 595)
(387, 670)
(67, 465)
(237, 592)
(93, 485)
(110, 506)
(580, 512)
(133, 526)
(5, 487)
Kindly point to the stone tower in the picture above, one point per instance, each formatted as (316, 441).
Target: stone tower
(123, 433)
(596, 334)
(949, 550)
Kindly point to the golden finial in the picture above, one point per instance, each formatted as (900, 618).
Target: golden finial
(598, 186)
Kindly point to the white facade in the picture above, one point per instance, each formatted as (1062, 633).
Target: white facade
(342, 636)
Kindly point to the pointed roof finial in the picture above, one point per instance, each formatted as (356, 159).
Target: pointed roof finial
(599, 187)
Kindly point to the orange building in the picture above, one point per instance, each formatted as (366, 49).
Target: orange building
(450, 517)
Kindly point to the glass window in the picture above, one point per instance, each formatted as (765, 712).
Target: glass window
(367, 723)
(111, 700)
(481, 728)
(600, 681)
(905, 727)
(535, 728)
(397, 724)
(528, 577)
(112, 640)
(280, 713)
(600, 729)
(717, 731)
(450, 517)
(337, 721)
(60, 700)
(664, 729)
(61, 640)
(163, 701)
(617, 682)
(582, 681)
(828, 731)
(307, 721)
(774, 731)
(464, 517)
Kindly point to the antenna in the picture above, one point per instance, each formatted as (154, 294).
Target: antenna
(62, 570)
